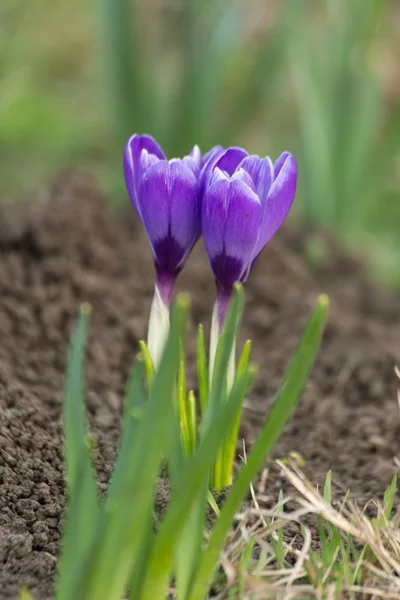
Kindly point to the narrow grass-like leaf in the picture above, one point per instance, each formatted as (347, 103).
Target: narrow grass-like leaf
(243, 567)
(328, 488)
(219, 383)
(182, 407)
(188, 548)
(192, 420)
(284, 404)
(202, 370)
(279, 551)
(212, 503)
(111, 562)
(133, 409)
(229, 447)
(225, 345)
(124, 69)
(389, 496)
(148, 362)
(83, 509)
(193, 474)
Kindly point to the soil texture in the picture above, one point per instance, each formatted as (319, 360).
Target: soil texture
(66, 247)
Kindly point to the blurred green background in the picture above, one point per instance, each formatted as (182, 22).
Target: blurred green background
(318, 77)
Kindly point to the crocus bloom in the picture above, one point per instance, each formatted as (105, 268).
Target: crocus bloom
(245, 199)
(165, 196)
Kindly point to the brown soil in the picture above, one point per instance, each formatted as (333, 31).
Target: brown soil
(67, 248)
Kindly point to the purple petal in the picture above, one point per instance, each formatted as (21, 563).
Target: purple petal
(146, 161)
(184, 207)
(230, 160)
(261, 172)
(154, 202)
(206, 172)
(231, 216)
(193, 160)
(170, 213)
(280, 162)
(213, 217)
(195, 154)
(279, 202)
(191, 164)
(217, 174)
(226, 160)
(132, 170)
(211, 153)
(242, 175)
(242, 223)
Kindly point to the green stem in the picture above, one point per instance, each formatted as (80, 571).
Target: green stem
(221, 475)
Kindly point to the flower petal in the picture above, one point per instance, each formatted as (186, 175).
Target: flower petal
(242, 223)
(280, 162)
(170, 213)
(279, 202)
(146, 160)
(226, 160)
(230, 160)
(242, 175)
(206, 172)
(211, 153)
(213, 216)
(261, 172)
(195, 154)
(154, 202)
(132, 170)
(184, 207)
(231, 216)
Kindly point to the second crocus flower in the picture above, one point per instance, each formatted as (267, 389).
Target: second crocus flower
(245, 201)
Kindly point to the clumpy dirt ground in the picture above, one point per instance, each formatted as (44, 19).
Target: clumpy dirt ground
(65, 248)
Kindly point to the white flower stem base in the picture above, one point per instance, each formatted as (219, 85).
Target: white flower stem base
(214, 337)
(159, 325)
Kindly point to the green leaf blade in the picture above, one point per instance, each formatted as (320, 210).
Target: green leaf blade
(297, 374)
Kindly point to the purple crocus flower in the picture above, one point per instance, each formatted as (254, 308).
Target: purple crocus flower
(245, 199)
(165, 195)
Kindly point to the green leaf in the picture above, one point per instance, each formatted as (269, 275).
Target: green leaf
(127, 80)
(328, 488)
(188, 548)
(221, 368)
(133, 411)
(192, 478)
(147, 362)
(182, 407)
(202, 370)
(389, 496)
(284, 404)
(229, 448)
(111, 562)
(192, 421)
(83, 505)
(223, 356)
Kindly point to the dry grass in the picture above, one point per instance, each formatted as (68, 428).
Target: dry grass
(342, 554)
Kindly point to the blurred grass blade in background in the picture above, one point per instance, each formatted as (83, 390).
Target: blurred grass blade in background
(340, 108)
(127, 80)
